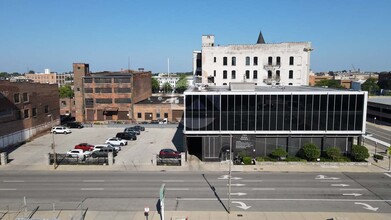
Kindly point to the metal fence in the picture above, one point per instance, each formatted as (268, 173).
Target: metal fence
(64, 159)
(168, 161)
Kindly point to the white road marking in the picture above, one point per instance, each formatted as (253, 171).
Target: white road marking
(173, 181)
(238, 194)
(13, 181)
(242, 205)
(366, 206)
(237, 184)
(96, 189)
(263, 189)
(352, 194)
(177, 189)
(342, 185)
(93, 181)
(319, 200)
(323, 177)
(252, 181)
(331, 181)
(7, 189)
(350, 189)
(225, 177)
(387, 174)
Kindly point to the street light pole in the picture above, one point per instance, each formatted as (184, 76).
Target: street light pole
(374, 120)
(229, 174)
(53, 144)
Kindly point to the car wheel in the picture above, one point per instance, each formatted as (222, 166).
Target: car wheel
(54, 132)
(121, 144)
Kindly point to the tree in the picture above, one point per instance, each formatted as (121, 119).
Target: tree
(155, 85)
(370, 85)
(181, 85)
(32, 72)
(329, 83)
(333, 153)
(309, 152)
(359, 153)
(279, 152)
(3, 74)
(167, 87)
(66, 91)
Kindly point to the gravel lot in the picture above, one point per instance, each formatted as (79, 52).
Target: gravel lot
(139, 152)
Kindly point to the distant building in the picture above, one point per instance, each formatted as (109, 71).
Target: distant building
(163, 78)
(261, 63)
(379, 110)
(106, 96)
(26, 109)
(67, 107)
(47, 77)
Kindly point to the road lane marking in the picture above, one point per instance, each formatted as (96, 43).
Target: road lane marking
(263, 189)
(93, 181)
(7, 189)
(242, 205)
(331, 181)
(252, 181)
(13, 181)
(366, 206)
(293, 200)
(351, 189)
(342, 185)
(97, 189)
(387, 174)
(352, 194)
(177, 189)
(225, 177)
(238, 194)
(324, 177)
(237, 184)
(173, 181)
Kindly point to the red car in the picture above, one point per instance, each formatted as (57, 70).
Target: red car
(85, 147)
(169, 153)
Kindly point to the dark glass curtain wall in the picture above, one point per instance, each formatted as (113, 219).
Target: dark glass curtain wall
(297, 112)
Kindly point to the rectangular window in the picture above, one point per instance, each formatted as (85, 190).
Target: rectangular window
(233, 74)
(270, 61)
(18, 115)
(26, 113)
(255, 61)
(277, 75)
(104, 101)
(122, 90)
(255, 74)
(214, 59)
(225, 74)
(247, 74)
(34, 112)
(122, 100)
(46, 109)
(165, 115)
(102, 90)
(214, 73)
(225, 61)
(89, 103)
(233, 61)
(278, 62)
(16, 98)
(157, 115)
(25, 97)
(138, 114)
(122, 80)
(87, 80)
(247, 61)
(291, 61)
(63, 103)
(102, 80)
(269, 74)
(290, 74)
(88, 90)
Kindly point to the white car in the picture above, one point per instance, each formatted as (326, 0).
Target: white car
(116, 141)
(60, 130)
(100, 146)
(78, 153)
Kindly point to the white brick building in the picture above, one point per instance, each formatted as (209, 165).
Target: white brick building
(261, 63)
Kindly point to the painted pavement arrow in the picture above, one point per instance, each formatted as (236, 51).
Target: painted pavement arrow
(366, 206)
(242, 205)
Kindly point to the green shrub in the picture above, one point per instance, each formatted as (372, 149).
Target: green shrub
(279, 152)
(294, 159)
(333, 153)
(260, 159)
(378, 156)
(309, 152)
(359, 153)
(247, 160)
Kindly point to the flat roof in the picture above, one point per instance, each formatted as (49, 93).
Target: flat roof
(162, 100)
(380, 100)
(274, 89)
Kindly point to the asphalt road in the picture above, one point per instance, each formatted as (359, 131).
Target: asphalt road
(196, 191)
(378, 133)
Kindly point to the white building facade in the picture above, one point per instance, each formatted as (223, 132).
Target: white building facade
(263, 64)
(163, 78)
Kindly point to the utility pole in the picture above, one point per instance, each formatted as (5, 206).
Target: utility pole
(53, 144)
(229, 174)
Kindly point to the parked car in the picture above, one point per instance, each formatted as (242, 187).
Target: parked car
(84, 147)
(169, 153)
(126, 135)
(102, 146)
(163, 121)
(132, 129)
(60, 130)
(78, 153)
(75, 124)
(116, 141)
(154, 122)
(140, 128)
(104, 152)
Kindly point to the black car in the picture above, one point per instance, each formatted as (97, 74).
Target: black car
(75, 124)
(126, 136)
(133, 130)
(104, 152)
(140, 128)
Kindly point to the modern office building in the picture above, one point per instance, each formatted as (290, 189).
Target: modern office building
(258, 119)
(26, 109)
(261, 63)
(379, 110)
(108, 96)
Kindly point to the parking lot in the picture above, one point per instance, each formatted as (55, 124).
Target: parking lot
(138, 152)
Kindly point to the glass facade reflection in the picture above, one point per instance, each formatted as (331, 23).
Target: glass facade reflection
(274, 112)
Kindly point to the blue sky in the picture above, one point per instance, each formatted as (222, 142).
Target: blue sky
(51, 34)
